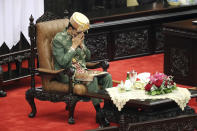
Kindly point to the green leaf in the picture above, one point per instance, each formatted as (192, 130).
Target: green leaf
(154, 87)
(169, 90)
(166, 90)
(149, 93)
(162, 92)
(158, 92)
(153, 93)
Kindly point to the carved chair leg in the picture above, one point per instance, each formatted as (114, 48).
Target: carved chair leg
(67, 106)
(71, 107)
(30, 99)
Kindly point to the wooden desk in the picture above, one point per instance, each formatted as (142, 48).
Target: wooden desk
(180, 53)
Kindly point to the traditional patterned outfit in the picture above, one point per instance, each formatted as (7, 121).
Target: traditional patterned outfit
(69, 51)
(65, 56)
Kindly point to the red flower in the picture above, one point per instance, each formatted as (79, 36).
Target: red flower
(148, 87)
(158, 83)
(166, 83)
(171, 83)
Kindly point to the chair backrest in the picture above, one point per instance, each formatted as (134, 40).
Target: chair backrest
(45, 31)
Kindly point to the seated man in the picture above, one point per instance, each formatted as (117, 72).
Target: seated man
(69, 50)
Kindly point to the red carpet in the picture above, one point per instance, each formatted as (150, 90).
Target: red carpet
(52, 116)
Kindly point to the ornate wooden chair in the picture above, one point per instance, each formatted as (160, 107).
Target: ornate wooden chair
(41, 35)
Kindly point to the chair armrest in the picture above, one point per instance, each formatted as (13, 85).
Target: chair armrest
(68, 71)
(94, 65)
(48, 71)
(91, 64)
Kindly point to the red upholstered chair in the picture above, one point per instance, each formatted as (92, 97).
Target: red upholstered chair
(41, 35)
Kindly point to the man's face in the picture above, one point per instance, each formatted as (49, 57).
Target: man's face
(78, 31)
(75, 32)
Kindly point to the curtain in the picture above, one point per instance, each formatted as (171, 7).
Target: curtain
(14, 19)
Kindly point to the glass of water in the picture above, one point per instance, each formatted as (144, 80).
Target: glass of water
(133, 77)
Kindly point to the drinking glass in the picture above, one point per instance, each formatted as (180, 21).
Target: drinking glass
(133, 77)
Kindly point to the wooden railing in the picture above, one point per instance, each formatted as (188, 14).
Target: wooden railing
(14, 57)
(20, 54)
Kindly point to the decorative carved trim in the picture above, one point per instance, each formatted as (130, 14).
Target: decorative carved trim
(4, 49)
(179, 61)
(131, 42)
(15, 55)
(182, 123)
(47, 16)
(18, 56)
(132, 115)
(97, 44)
(159, 39)
(181, 32)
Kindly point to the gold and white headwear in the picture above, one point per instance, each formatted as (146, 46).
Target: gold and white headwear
(80, 22)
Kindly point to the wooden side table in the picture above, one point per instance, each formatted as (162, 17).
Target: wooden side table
(180, 51)
(137, 111)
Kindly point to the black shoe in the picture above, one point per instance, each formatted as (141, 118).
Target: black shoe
(2, 93)
(103, 92)
(101, 119)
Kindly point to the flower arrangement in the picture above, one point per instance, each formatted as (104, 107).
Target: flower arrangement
(160, 83)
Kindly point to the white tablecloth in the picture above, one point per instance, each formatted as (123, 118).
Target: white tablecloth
(181, 96)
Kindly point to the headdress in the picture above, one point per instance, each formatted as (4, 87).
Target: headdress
(80, 22)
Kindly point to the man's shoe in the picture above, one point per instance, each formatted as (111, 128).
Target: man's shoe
(103, 92)
(101, 119)
(2, 93)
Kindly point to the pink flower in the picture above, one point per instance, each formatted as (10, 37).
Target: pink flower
(158, 76)
(157, 80)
